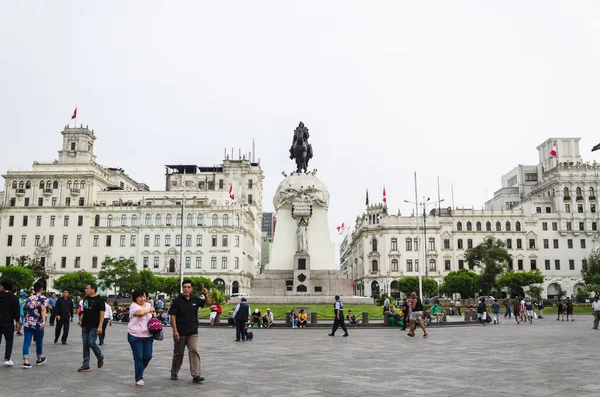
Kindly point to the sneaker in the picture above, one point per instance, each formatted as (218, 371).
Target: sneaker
(41, 361)
(8, 363)
(100, 362)
(139, 383)
(346, 334)
(27, 365)
(83, 369)
(330, 334)
(198, 379)
(425, 335)
(174, 376)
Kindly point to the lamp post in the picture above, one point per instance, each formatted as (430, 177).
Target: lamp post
(181, 239)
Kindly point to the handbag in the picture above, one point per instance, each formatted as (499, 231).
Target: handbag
(159, 335)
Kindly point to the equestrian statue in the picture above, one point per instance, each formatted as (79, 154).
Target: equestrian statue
(301, 150)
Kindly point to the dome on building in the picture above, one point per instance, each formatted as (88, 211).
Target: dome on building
(301, 187)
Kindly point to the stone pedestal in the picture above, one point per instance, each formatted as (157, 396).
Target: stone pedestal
(302, 283)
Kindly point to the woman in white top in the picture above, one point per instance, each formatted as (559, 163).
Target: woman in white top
(138, 336)
(108, 319)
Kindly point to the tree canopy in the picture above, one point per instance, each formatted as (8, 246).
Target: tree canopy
(21, 277)
(120, 274)
(515, 281)
(409, 284)
(74, 282)
(590, 270)
(491, 257)
(463, 281)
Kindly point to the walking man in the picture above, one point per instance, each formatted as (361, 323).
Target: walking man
(596, 311)
(184, 321)
(507, 309)
(90, 322)
(9, 315)
(457, 306)
(529, 310)
(64, 316)
(35, 321)
(338, 321)
(416, 316)
(241, 314)
(496, 311)
(405, 313)
(108, 319)
(52, 303)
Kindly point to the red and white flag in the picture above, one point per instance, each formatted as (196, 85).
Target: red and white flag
(553, 150)
(231, 194)
(384, 196)
(74, 116)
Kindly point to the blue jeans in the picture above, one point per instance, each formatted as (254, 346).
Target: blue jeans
(142, 354)
(88, 336)
(39, 341)
(293, 322)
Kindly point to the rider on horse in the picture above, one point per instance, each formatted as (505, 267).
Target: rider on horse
(301, 150)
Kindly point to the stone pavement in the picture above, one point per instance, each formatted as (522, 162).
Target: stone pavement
(544, 359)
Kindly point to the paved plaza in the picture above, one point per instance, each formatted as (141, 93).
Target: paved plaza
(544, 359)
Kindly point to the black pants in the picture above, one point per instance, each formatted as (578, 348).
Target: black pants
(404, 319)
(338, 322)
(52, 316)
(8, 330)
(62, 324)
(240, 329)
(101, 337)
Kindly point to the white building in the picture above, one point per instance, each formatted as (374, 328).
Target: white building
(545, 213)
(73, 213)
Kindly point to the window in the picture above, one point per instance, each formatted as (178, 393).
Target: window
(237, 220)
(580, 225)
(538, 210)
(469, 243)
(95, 241)
(40, 202)
(471, 265)
(97, 220)
(547, 264)
(188, 240)
(416, 244)
(215, 220)
(122, 241)
(459, 243)
(213, 262)
(9, 241)
(51, 240)
(236, 263)
(510, 264)
(11, 220)
(94, 262)
(567, 207)
(555, 242)
(566, 193)
(374, 245)
(459, 226)
(81, 201)
(409, 244)
(432, 265)
(158, 220)
(225, 240)
(592, 195)
(109, 221)
(519, 244)
(146, 240)
(108, 241)
(224, 262)
(25, 219)
(469, 227)
(225, 220)
(168, 240)
(178, 240)
(198, 262)
(77, 262)
(478, 226)
(65, 240)
(394, 265)
(54, 200)
(179, 220)
(533, 264)
(554, 226)
(132, 240)
(461, 264)
(508, 243)
(214, 241)
(250, 184)
(531, 243)
(236, 241)
(249, 199)
(148, 220)
(545, 226)
(133, 220)
(507, 226)
(518, 226)
(156, 262)
(200, 220)
(557, 264)
(432, 244)
(188, 262)
(447, 265)
(68, 201)
(593, 208)
(394, 244)
(26, 201)
(78, 241)
(157, 240)
(548, 210)
(409, 265)
(519, 264)
(63, 262)
(582, 242)
(570, 243)
(190, 220)
(546, 244)
(498, 227)
(446, 244)
(199, 240)
(594, 227)
(580, 208)
(38, 221)
(145, 262)
(66, 221)
(168, 220)
(123, 220)
(571, 264)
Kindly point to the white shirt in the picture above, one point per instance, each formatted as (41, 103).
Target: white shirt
(107, 311)
(596, 306)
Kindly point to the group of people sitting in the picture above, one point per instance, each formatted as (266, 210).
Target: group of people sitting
(266, 320)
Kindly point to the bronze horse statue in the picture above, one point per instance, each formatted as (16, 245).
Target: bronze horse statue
(301, 150)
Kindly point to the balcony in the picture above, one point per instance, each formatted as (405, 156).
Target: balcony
(75, 191)
(48, 192)
(20, 192)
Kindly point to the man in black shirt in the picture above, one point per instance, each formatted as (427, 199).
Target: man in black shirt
(64, 315)
(91, 325)
(184, 322)
(9, 315)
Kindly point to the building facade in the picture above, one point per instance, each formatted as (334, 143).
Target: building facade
(269, 221)
(73, 213)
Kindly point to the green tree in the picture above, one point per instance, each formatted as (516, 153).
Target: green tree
(120, 274)
(22, 260)
(462, 281)
(21, 277)
(536, 292)
(559, 291)
(39, 271)
(170, 285)
(515, 281)
(149, 281)
(590, 271)
(410, 284)
(216, 296)
(491, 257)
(74, 282)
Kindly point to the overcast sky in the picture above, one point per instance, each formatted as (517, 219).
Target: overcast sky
(460, 90)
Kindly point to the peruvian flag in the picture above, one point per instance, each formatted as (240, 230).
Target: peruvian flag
(74, 116)
(231, 194)
(340, 228)
(367, 198)
(384, 195)
(553, 151)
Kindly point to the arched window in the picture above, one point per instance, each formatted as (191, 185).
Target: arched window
(179, 220)
(592, 192)
(459, 226)
(55, 185)
(225, 220)
(237, 220)
(432, 265)
(374, 244)
(76, 185)
(68, 184)
(82, 184)
(478, 226)
(190, 220)
(148, 220)
(14, 184)
(158, 220)
(498, 227)
(394, 265)
(374, 266)
(168, 220)
(301, 288)
(48, 185)
(21, 185)
(507, 226)
(488, 227)
(109, 220)
(123, 220)
(200, 220)
(215, 220)
(469, 226)
(41, 184)
(518, 226)
(566, 192)
(97, 220)
(134, 220)
(28, 185)
(579, 192)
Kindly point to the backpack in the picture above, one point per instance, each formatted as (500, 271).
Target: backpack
(219, 309)
(249, 335)
(480, 308)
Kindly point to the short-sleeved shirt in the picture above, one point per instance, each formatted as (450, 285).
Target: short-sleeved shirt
(435, 309)
(186, 313)
(92, 307)
(32, 310)
(138, 326)
(496, 307)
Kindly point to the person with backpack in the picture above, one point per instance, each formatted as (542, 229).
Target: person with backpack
(481, 311)
(338, 320)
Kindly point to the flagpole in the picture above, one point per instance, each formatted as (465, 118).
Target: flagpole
(418, 237)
